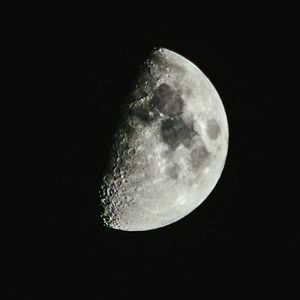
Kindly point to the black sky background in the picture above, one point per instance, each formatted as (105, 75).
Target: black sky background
(248, 224)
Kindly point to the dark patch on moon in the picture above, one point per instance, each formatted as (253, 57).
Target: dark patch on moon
(188, 92)
(213, 129)
(199, 157)
(167, 100)
(173, 171)
(146, 115)
(175, 131)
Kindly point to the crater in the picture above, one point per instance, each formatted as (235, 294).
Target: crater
(167, 100)
(199, 157)
(213, 129)
(175, 131)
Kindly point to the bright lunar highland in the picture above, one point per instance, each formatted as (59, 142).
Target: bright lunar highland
(169, 149)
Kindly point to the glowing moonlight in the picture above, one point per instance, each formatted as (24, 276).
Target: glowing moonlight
(170, 148)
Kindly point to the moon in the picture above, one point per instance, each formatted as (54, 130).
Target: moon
(169, 149)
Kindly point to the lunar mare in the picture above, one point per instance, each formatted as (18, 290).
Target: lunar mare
(170, 148)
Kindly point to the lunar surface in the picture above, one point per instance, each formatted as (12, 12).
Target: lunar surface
(169, 149)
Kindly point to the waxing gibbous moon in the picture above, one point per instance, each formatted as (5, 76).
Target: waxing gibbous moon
(169, 149)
